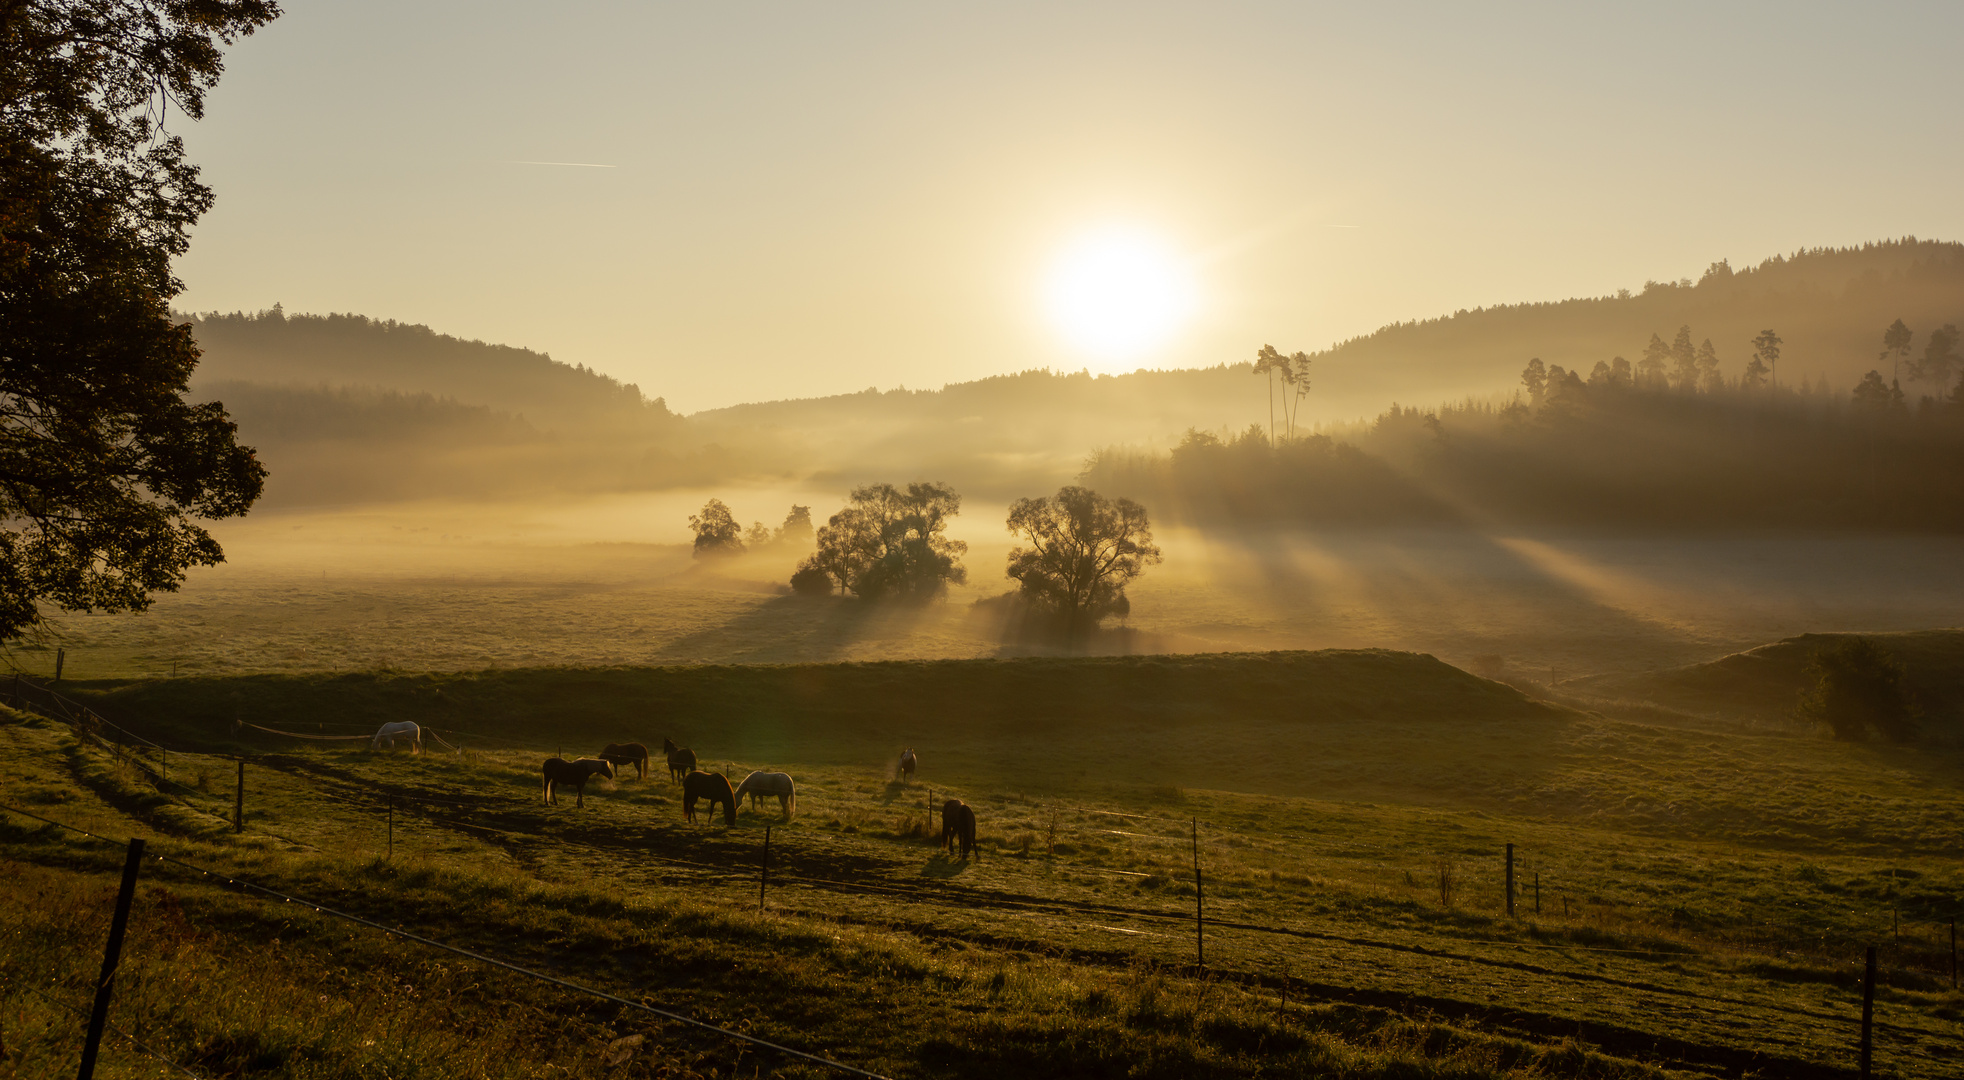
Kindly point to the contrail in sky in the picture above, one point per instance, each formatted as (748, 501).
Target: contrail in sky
(573, 164)
(1274, 230)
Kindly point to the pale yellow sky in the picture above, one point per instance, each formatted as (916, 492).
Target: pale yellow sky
(810, 199)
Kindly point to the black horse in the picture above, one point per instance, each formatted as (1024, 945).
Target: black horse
(712, 786)
(958, 828)
(681, 759)
(560, 771)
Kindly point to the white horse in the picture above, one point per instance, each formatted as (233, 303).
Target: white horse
(402, 730)
(908, 763)
(770, 783)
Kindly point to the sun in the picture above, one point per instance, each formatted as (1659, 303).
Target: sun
(1119, 293)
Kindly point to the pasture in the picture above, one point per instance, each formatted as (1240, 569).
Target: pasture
(469, 587)
(1704, 890)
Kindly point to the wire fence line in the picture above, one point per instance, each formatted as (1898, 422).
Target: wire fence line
(246, 885)
(134, 1041)
(1063, 907)
(972, 900)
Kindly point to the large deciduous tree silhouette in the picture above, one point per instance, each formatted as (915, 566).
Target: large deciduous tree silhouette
(1079, 550)
(105, 468)
(889, 543)
(717, 531)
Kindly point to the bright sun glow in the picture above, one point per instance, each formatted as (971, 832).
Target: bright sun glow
(1119, 293)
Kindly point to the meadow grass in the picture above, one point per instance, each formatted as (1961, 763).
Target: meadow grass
(1704, 894)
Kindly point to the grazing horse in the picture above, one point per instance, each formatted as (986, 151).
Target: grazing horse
(907, 766)
(623, 754)
(712, 786)
(770, 783)
(681, 759)
(402, 730)
(560, 771)
(958, 826)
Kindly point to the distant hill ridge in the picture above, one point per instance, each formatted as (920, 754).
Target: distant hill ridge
(311, 351)
(1014, 434)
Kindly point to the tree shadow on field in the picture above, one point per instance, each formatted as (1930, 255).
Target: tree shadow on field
(942, 868)
(895, 789)
(800, 629)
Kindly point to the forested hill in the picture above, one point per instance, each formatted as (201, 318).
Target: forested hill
(1830, 305)
(347, 410)
(998, 437)
(272, 348)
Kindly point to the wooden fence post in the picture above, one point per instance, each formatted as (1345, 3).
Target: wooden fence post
(1868, 1012)
(764, 880)
(1510, 881)
(1537, 892)
(392, 827)
(1953, 952)
(930, 813)
(1199, 933)
(61, 658)
(238, 800)
(99, 1015)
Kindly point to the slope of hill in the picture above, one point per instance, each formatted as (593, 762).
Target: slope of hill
(1042, 719)
(1763, 684)
(1019, 434)
(1829, 306)
(310, 351)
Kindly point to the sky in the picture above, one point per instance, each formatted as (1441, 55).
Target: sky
(813, 199)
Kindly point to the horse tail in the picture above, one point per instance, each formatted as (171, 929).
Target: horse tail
(791, 804)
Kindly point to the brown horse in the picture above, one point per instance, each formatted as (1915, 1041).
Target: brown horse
(560, 771)
(958, 827)
(623, 754)
(712, 786)
(681, 759)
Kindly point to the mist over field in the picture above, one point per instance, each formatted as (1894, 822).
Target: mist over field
(1053, 541)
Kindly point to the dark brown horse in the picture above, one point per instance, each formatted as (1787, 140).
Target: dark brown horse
(623, 754)
(560, 771)
(958, 827)
(681, 759)
(712, 786)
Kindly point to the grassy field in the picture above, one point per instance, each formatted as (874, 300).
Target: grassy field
(1704, 891)
(465, 587)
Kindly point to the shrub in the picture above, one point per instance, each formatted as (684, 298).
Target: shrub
(1856, 689)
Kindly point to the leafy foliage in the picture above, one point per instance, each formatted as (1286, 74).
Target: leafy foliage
(1857, 691)
(103, 463)
(890, 543)
(717, 531)
(1082, 549)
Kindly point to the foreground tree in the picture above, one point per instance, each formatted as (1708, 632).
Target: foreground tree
(1082, 550)
(889, 543)
(104, 466)
(1856, 689)
(717, 531)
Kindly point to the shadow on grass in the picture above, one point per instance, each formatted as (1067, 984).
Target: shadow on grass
(942, 868)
